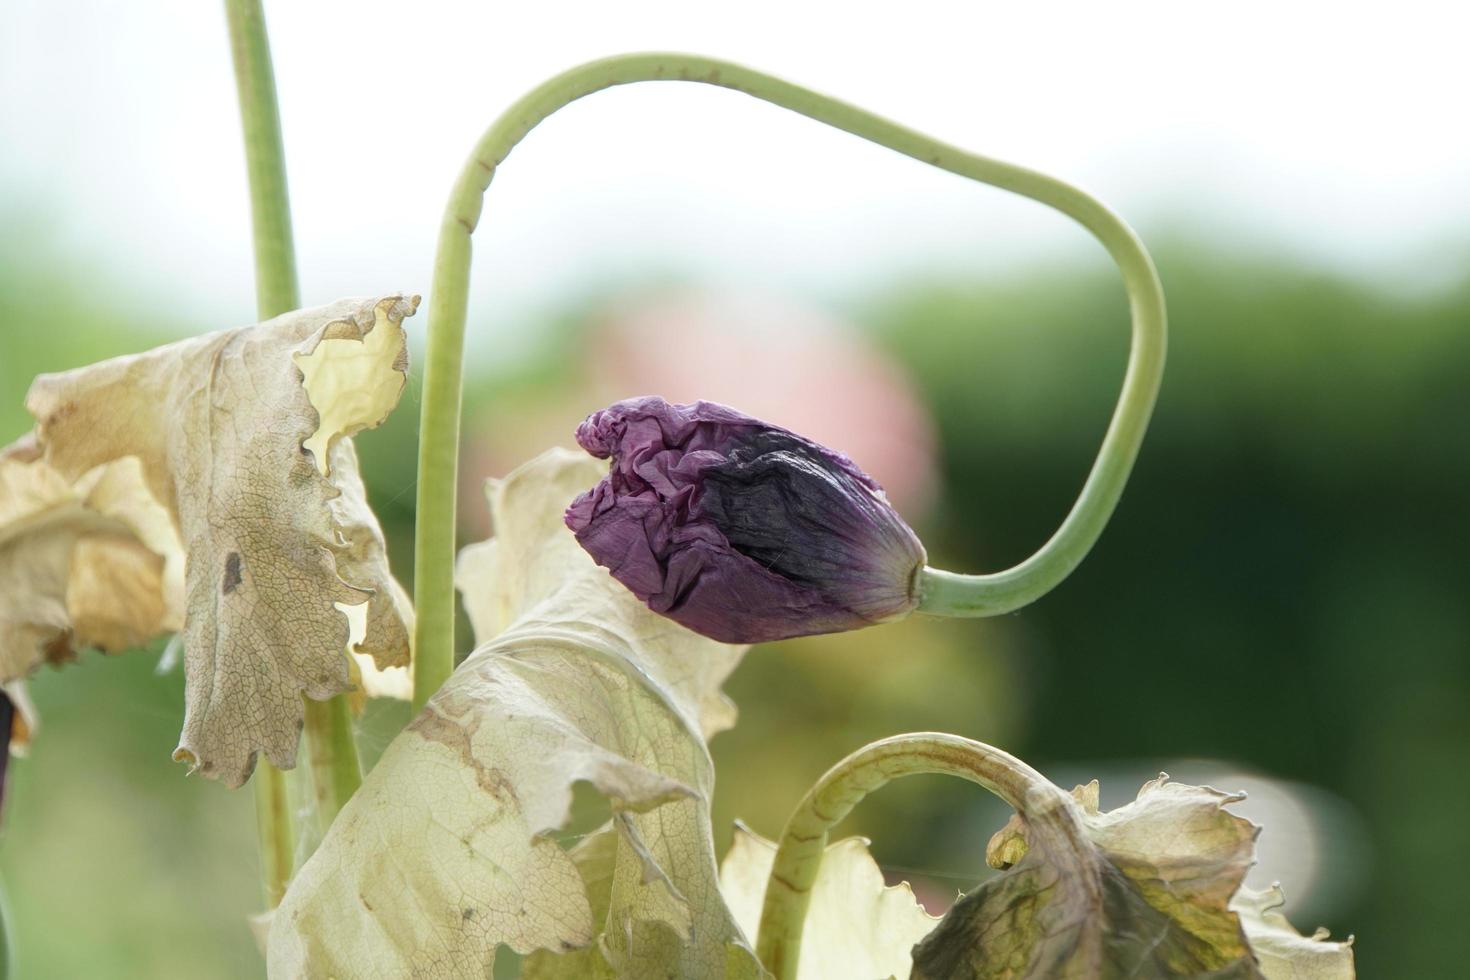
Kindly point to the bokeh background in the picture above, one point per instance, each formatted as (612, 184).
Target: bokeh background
(1279, 604)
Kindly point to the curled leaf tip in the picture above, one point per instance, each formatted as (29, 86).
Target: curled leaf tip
(355, 374)
(738, 529)
(1282, 953)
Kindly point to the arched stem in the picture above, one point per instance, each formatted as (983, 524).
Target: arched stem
(1052, 820)
(942, 593)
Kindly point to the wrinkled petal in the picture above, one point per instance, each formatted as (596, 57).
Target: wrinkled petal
(447, 850)
(244, 436)
(856, 926)
(738, 529)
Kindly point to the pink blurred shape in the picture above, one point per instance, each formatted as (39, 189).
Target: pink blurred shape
(778, 361)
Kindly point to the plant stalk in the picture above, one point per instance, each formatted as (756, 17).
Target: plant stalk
(276, 833)
(336, 771)
(804, 840)
(276, 291)
(941, 593)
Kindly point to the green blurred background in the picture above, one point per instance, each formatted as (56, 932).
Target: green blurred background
(1280, 599)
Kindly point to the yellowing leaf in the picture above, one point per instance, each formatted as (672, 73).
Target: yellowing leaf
(1283, 953)
(243, 435)
(856, 926)
(1143, 890)
(90, 562)
(448, 851)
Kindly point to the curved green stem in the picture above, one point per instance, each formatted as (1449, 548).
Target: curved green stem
(942, 592)
(336, 771)
(1053, 822)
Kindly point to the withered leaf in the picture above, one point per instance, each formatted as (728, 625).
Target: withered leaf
(1142, 891)
(244, 435)
(448, 851)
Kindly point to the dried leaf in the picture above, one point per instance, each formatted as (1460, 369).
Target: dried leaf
(1152, 892)
(1146, 894)
(856, 926)
(447, 850)
(91, 562)
(1283, 953)
(244, 436)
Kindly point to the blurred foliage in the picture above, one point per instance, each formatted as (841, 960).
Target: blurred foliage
(1282, 587)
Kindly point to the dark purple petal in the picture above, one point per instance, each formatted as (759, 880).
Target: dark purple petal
(740, 530)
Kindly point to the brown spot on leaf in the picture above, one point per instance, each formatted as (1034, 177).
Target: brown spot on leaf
(435, 726)
(233, 578)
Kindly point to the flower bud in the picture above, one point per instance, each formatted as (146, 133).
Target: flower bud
(740, 530)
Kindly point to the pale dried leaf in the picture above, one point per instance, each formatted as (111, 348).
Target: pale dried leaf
(243, 435)
(856, 926)
(1281, 951)
(643, 917)
(447, 850)
(596, 859)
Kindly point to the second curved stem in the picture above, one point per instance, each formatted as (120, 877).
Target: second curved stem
(1053, 819)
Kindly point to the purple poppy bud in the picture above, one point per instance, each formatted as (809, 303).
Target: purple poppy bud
(738, 529)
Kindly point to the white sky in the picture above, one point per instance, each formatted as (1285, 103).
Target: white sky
(1333, 131)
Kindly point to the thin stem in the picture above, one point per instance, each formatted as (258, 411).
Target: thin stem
(942, 593)
(336, 771)
(1052, 821)
(265, 160)
(277, 837)
(332, 751)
